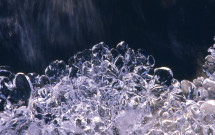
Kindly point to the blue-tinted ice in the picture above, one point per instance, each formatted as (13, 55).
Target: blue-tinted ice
(105, 91)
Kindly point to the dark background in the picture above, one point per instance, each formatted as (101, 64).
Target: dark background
(176, 32)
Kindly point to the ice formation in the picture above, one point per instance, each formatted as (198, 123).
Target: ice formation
(106, 91)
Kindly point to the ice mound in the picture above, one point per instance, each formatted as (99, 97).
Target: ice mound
(106, 91)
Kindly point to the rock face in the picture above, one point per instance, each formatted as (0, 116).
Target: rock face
(107, 91)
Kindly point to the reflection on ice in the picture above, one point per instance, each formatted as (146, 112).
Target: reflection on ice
(107, 91)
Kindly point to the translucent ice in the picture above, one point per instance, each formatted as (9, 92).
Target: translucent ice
(106, 91)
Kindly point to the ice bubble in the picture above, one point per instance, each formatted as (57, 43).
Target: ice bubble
(164, 75)
(55, 70)
(122, 48)
(21, 91)
(208, 107)
(43, 80)
(34, 78)
(104, 91)
(188, 89)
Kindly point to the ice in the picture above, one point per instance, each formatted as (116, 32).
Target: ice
(164, 75)
(21, 92)
(119, 62)
(105, 91)
(43, 80)
(6, 72)
(34, 78)
(209, 85)
(55, 70)
(122, 47)
(151, 61)
(188, 89)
